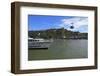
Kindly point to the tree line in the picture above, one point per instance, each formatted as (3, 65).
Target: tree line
(57, 34)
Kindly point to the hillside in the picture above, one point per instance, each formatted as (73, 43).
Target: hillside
(57, 34)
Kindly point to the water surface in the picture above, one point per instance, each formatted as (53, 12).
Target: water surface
(61, 49)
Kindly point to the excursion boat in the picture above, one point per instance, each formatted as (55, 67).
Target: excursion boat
(39, 43)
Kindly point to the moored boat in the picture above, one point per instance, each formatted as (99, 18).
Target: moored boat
(39, 43)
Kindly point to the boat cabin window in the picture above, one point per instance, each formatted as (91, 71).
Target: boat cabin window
(33, 40)
(30, 40)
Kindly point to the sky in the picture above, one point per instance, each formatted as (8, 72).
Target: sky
(43, 22)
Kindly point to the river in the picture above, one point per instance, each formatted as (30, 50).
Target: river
(61, 49)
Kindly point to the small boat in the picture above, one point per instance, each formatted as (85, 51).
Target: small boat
(39, 43)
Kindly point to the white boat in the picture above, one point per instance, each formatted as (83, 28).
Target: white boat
(39, 43)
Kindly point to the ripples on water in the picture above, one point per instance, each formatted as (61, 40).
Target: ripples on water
(61, 49)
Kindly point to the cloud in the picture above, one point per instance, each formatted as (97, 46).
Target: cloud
(77, 22)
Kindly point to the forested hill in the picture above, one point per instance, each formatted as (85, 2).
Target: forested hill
(57, 34)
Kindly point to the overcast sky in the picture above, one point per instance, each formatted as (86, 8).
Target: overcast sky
(42, 22)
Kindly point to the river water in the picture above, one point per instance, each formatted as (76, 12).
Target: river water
(61, 49)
